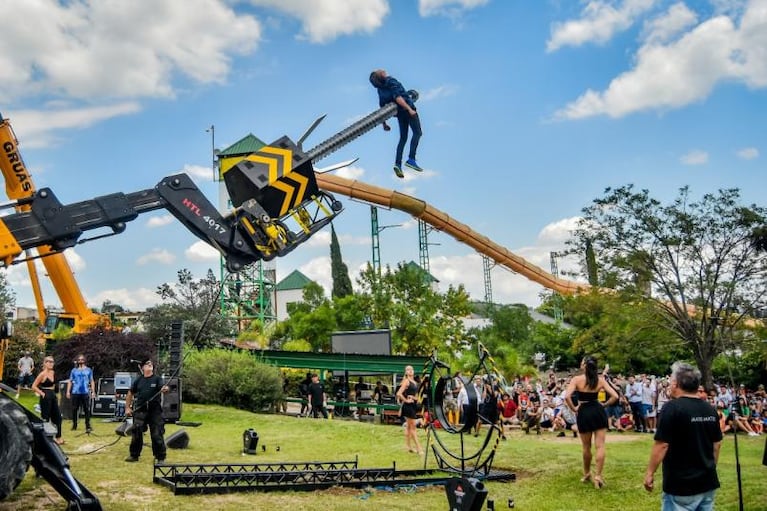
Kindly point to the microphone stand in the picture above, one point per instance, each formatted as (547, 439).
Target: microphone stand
(734, 422)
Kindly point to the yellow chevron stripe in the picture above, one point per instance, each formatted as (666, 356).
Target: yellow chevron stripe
(287, 159)
(288, 189)
(303, 182)
(270, 162)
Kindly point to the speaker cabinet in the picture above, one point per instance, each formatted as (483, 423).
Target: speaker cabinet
(104, 405)
(178, 440)
(171, 401)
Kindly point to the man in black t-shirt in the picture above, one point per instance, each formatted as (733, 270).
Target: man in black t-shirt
(145, 405)
(317, 397)
(687, 441)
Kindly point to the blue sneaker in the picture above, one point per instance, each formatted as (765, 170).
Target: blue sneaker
(413, 165)
(398, 171)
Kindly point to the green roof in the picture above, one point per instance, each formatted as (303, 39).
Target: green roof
(428, 278)
(247, 145)
(296, 280)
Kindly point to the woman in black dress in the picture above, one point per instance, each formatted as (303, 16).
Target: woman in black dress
(591, 416)
(408, 396)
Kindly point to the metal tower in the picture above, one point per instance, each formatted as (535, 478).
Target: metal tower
(556, 297)
(376, 240)
(248, 294)
(487, 265)
(423, 245)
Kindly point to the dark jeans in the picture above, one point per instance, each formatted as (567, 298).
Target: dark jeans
(78, 401)
(49, 409)
(151, 419)
(317, 410)
(637, 411)
(406, 120)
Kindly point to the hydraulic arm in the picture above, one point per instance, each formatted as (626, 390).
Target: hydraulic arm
(277, 205)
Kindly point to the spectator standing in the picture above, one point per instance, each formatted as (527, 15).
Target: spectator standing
(408, 396)
(591, 416)
(26, 366)
(687, 442)
(649, 395)
(303, 392)
(379, 392)
(634, 396)
(80, 388)
(45, 387)
(317, 397)
(144, 404)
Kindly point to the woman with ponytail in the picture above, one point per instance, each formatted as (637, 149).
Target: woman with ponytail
(591, 416)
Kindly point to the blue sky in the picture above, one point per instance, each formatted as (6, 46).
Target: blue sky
(530, 109)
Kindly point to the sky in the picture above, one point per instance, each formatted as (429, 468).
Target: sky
(529, 109)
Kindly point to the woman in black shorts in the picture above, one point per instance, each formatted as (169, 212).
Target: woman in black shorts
(591, 416)
(408, 396)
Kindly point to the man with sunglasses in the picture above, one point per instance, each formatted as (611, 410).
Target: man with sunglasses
(144, 404)
(80, 389)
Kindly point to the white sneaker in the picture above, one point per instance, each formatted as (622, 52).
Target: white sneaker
(751, 433)
(17, 396)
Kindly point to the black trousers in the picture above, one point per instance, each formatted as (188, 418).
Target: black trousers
(49, 409)
(151, 419)
(81, 401)
(405, 121)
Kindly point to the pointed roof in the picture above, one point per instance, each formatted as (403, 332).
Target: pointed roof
(246, 145)
(296, 280)
(428, 278)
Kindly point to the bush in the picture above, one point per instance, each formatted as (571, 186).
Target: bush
(106, 351)
(231, 378)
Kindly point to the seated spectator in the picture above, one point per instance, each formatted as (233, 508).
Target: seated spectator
(626, 421)
(547, 415)
(379, 392)
(532, 418)
(507, 409)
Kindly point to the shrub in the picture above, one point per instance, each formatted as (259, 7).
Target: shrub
(107, 351)
(231, 378)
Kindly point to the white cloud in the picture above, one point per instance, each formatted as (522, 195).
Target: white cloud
(198, 172)
(37, 128)
(442, 91)
(159, 221)
(599, 22)
(450, 8)
(91, 50)
(131, 299)
(76, 262)
(685, 70)
(156, 255)
(748, 153)
(695, 157)
(325, 20)
(201, 252)
(318, 270)
(351, 172)
(674, 21)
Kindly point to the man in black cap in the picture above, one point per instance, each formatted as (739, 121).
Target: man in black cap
(144, 404)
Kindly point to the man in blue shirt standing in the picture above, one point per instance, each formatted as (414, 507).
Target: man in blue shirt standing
(80, 388)
(391, 91)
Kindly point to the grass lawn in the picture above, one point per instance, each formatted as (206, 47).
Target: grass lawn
(547, 468)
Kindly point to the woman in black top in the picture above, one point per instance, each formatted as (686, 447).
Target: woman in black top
(408, 396)
(591, 416)
(45, 387)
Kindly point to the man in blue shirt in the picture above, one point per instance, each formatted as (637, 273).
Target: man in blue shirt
(391, 91)
(80, 388)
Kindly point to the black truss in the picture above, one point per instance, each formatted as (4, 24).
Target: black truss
(225, 478)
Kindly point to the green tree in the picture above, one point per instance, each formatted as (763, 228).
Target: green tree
(193, 301)
(7, 295)
(420, 318)
(342, 284)
(697, 258)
